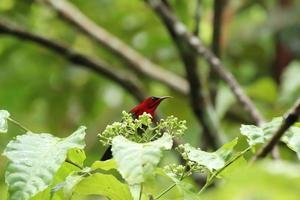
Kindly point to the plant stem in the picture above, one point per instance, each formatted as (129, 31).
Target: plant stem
(213, 176)
(18, 124)
(72, 163)
(171, 186)
(165, 191)
(141, 192)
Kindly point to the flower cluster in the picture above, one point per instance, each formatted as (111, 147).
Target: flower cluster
(142, 129)
(175, 170)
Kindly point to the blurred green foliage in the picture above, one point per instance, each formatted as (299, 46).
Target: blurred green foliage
(48, 94)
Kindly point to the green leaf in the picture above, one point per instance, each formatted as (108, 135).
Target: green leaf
(34, 159)
(77, 156)
(137, 161)
(292, 139)
(258, 135)
(4, 115)
(106, 182)
(211, 160)
(255, 135)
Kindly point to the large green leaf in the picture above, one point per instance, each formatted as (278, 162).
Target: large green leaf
(3, 121)
(34, 159)
(137, 161)
(106, 181)
(211, 160)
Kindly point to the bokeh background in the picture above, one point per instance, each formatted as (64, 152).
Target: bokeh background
(260, 45)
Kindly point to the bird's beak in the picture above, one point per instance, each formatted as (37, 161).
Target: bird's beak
(164, 97)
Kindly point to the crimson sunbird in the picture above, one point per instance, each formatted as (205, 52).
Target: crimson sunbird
(149, 106)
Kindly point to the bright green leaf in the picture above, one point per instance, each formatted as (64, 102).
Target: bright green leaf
(34, 160)
(4, 115)
(77, 156)
(106, 181)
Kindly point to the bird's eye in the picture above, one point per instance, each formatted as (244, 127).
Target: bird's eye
(154, 98)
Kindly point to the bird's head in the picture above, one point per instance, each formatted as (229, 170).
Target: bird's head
(149, 105)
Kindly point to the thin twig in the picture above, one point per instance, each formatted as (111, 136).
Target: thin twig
(290, 118)
(98, 66)
(135, 60)
(194, 43)
(19, 124)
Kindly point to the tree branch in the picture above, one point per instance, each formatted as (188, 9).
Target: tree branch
(290, 118)
(136, 61)
(217, 26)
(197, 46)
(198, 96)
(98, 66)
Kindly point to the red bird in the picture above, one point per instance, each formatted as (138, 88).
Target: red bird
(149, 105)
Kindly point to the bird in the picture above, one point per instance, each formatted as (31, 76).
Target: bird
(149, 105)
